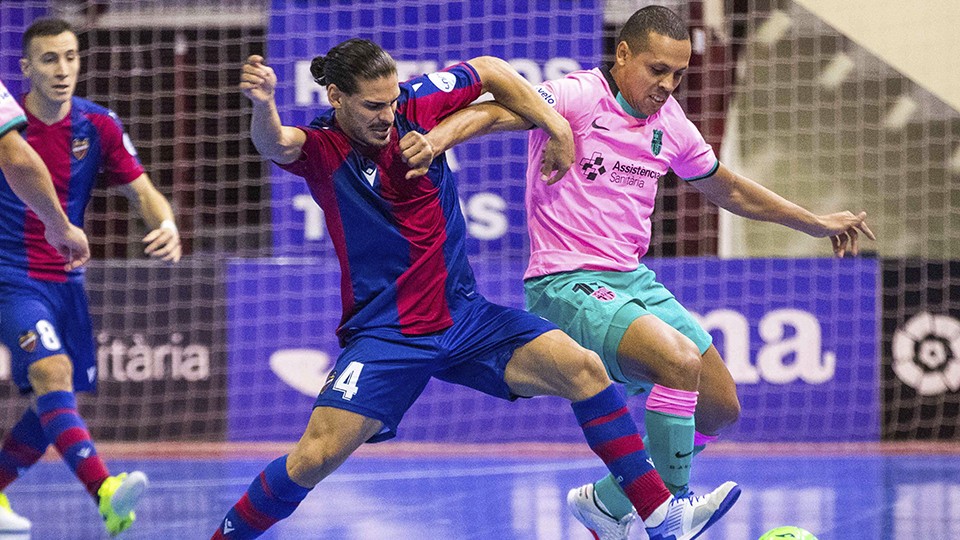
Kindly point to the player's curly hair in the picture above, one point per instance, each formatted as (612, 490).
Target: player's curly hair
(657, 19)
(351, 60)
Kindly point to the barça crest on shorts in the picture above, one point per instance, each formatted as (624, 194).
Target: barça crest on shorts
(604, 294)
(601, 293)
(657, 143)
(28, 341)
(80, 147)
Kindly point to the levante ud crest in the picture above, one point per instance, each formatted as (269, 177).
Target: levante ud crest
(80, 147)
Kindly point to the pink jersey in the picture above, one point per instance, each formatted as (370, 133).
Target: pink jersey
(11, 115)
(597, 217)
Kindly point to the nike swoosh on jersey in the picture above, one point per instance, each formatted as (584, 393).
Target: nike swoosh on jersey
(595, 125)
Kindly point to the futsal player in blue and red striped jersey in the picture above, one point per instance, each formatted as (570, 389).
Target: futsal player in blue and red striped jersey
(44, 319)
(28, 178)
(410, 306)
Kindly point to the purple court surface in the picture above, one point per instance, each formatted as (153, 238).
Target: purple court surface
(849, 493)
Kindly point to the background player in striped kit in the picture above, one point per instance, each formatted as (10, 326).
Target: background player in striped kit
(44, 319)
(28, 178)
(588, 232)
(410, 306)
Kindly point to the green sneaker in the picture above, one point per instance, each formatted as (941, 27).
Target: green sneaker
(118, 497)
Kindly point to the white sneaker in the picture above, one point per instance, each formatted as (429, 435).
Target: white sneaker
(582, 502)
(687, 517)
(10, 521)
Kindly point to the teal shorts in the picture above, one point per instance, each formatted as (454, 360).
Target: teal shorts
(595, 308)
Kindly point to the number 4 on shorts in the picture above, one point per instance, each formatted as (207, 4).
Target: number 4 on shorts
(347, 381)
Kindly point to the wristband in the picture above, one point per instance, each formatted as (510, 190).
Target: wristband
(169, 225)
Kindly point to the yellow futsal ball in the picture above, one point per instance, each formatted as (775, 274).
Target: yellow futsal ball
(788, 533)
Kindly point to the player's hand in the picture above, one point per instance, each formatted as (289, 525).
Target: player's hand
(844, 230)
(70, 243)
(417, 153)
(257, 80)
(557, 156)
(163, 243)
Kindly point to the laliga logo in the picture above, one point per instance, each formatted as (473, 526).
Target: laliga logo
(926, 353)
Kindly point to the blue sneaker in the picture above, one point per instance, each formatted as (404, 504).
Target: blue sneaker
(685, 518)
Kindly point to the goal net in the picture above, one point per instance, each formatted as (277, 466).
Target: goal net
(235, 341)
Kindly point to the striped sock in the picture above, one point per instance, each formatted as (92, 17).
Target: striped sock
(272, 496)
(24, 446)
(63, 425)
(613, 436)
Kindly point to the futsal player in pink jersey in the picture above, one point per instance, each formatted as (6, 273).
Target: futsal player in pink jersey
(44, 318)
(589, 230)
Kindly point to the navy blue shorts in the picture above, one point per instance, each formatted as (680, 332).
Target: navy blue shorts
(40, 319)
(381, 373)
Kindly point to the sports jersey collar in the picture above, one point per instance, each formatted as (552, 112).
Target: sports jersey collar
(36, 122)
(627, 108)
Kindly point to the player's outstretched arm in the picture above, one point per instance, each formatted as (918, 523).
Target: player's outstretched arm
(163, 240)
(514, 92)
(474, 121)
(271, 138)
(746, 198)
(30, 180)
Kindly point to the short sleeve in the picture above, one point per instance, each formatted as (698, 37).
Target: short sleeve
(568, 96)
(316, 157)
(434, 96)
(698, 161)
(551, 92)
(120, 163)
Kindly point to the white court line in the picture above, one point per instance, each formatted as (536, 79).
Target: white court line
(383, 476)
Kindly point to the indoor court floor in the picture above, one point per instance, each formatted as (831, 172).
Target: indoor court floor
(844, 495)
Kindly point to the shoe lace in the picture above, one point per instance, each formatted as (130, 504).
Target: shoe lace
(686, 496)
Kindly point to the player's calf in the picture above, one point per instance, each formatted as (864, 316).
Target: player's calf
(271, 497)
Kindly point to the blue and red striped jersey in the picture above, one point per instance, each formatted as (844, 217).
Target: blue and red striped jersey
(400, 243)
(88, 141)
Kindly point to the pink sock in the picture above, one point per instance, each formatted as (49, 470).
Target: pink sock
(699, 439)
(665, 400)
